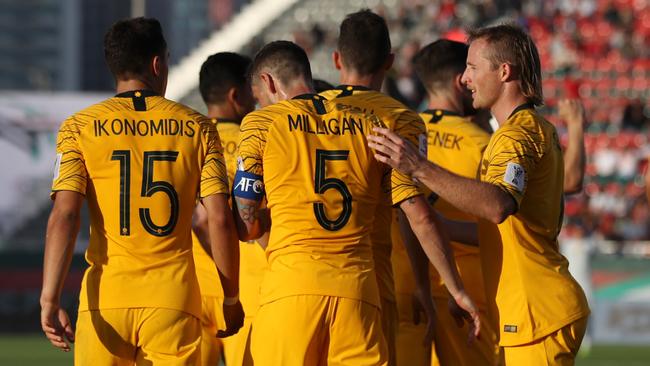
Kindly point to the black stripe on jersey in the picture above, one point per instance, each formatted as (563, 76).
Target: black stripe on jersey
(437, 114)
(138, 97)
(316, 99)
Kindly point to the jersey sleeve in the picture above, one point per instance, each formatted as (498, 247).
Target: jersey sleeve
(69, 167)
(509, 160)
(214, 175)
(248, 182)
(409, 126)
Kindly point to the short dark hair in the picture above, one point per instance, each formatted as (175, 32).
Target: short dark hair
(130, 44)
(512, 45)
(219, 73)
(439, 62)
(364, 42)
(286, 60)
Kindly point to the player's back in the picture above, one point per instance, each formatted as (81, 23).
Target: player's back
(406, 123)
(321, 181)
(144, 159)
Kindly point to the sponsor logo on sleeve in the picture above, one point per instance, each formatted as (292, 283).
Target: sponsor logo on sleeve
(248, 185)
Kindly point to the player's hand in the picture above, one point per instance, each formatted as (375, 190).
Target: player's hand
(423, 305)
(393, 150)
(234, 317)
(572, 112)
(56, 326)
(462, 308)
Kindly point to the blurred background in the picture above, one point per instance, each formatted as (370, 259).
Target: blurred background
(52, 64)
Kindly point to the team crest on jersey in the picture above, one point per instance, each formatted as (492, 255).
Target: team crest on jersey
(57, 166)
(515, 176)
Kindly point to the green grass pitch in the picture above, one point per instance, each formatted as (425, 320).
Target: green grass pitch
(34, 349)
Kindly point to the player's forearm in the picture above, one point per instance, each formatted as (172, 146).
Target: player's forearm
(463, 232)
(224, 245)
(201, 229)
(417, 257)
(62, 228)
(574, 159)
(251, 221)
(481, 199)
(434, 243)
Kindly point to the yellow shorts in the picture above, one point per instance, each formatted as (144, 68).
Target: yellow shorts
(237, 348)
(143, 336)
(450, 345)
(389, 320)
(211, 321)
(410, 349)
(556, 349)
(312, 330)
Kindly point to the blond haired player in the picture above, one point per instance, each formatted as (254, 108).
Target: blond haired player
(140, 160)
(539, 309)
(225, 91)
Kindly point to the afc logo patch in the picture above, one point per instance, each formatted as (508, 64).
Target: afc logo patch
(515, 176)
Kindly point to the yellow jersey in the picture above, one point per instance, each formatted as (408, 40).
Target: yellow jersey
(252, 260)
(527, 279)
(406, 123)
(140, 160)
(321, 180)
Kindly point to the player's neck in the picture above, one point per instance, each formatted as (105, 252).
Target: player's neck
(124, 86)
(372, 81)
(445, 102)
(295, 89)
(506, 104)
(223, 111)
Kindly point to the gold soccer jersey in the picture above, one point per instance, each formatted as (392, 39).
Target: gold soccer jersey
(321, 180)
(408, 125)
(140, 159)
(525, 274)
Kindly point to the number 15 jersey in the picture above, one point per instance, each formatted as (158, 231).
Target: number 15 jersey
(322, 185)
(140, 159)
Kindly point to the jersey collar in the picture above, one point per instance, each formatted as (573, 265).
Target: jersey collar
(437, 114)
(521, 107)
(309, 96)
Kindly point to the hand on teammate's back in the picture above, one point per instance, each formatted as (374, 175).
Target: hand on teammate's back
(234, 317)
(57, 327)
(395, 151)
(462, 308)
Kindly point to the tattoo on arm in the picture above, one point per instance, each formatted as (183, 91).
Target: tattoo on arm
(248, 213)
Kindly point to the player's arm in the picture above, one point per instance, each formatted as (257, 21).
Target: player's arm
(484, 200)
(573, 113)
(62, 229)
(420, 266)
(252, 220)
(200, 227)
(463, 232)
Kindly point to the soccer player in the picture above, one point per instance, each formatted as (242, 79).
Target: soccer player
(540, 310)
(225, 91)
(320, 302)
(363, 57)
(140, 160)
(456, 144)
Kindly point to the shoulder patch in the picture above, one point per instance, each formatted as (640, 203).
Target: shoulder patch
(57, 166)
(515, 175)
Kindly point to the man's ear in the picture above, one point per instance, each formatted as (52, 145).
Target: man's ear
(507, 72)
(336, 57)
(458, 83)
(389, 61)
(156, 65)
(232, 96)
(269, 82)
